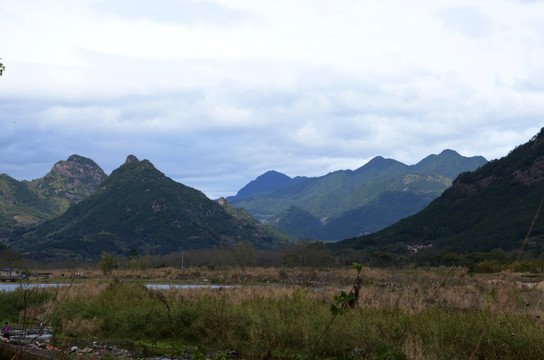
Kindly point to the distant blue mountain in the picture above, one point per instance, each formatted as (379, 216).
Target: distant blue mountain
(346, 203)
(269, 181)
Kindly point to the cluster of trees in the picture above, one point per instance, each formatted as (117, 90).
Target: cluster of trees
(476, 262)
(133, 261)
(10, 258)
(243, 254)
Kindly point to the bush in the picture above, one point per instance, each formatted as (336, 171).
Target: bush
(106, 263)
(14, 302)
(486, 266)
(139, 263)
(535, 266)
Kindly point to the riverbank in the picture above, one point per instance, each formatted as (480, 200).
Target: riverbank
(19, 351)
(35, 350)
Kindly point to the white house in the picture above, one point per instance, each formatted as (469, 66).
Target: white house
(10, 272)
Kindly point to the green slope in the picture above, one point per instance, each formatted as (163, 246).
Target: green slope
(138, 207)
(342, 194)
(490, 208)
(25, 203)
(267, 232)
(324, 195)
(19, 206)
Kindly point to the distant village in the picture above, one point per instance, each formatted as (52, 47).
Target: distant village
(14, 274)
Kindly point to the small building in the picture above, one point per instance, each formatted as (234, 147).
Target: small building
(10, 274)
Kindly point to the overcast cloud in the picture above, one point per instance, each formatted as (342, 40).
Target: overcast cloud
(215, 93)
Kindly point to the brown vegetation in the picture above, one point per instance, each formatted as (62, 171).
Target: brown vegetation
(409, 314)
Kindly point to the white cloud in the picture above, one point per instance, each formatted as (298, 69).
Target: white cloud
(217, 92)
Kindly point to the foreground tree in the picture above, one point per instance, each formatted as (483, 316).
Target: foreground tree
(2, 68)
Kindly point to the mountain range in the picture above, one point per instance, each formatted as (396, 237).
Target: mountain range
(138, 207)
(347, 203)
(497, 207)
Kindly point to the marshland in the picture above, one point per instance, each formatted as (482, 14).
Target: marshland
(290, 313)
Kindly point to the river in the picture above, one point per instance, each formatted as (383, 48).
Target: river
(27, 286)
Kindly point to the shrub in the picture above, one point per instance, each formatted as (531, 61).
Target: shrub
(487, 266)
(25, 297)
(535, 266)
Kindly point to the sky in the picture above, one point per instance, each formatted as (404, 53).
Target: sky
(215, 93)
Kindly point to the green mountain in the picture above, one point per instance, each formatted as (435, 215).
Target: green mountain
(269, 181)
(298, 222)
(20, 206)
(68, 182)
(24, 203)
(264, 231)
(138, 207)
(490, 208)
(348, 203)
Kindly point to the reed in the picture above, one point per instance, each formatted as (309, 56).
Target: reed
(409, 314)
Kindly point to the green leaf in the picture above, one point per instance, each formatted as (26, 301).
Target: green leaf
(335, 310)
(358, 267)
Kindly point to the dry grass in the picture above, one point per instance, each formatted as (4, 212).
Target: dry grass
(409, 290)
(288, 276)
(415, 314)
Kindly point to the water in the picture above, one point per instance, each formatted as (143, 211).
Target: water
(26, 286)
(29, 335)
(185, 286)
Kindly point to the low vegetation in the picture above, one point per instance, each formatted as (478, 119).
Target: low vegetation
(297, 313)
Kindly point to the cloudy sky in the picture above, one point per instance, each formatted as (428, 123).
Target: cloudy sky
(215, 93)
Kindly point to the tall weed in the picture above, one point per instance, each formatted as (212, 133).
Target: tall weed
(399, 315)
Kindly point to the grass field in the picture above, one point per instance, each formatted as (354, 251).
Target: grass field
(286, 313)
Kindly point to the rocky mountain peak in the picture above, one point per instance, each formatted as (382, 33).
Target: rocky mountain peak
(69, 180)
(131, 159)
(147, 164)
(77, 167)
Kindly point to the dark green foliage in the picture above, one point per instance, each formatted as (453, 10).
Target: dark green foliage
(535, 266)
(12, 303)
(311, 254)
(123, 311)
(10, 258)
(106, 263)
(491, 208)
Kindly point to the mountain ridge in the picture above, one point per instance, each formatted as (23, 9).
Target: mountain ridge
(488, 209)
(341, 192)
(139, 207)
(269, 181)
